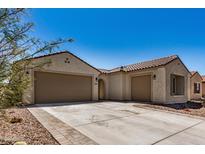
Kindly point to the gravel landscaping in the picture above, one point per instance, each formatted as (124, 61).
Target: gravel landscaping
(19, 126)
(190, 108)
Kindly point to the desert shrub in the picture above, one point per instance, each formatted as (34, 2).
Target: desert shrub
(17, 47)
(15, 120)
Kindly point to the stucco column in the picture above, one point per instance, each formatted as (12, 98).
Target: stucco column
(159, 86)
(95, 88)
(188, 87)
(28, 95)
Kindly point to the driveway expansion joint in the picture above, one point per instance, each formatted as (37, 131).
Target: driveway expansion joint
(178, 132)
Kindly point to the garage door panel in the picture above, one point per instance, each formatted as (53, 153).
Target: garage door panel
(141, 88)
(53, 87)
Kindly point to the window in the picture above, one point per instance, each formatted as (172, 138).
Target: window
(177, 85)
(197, 88)
(173, 84)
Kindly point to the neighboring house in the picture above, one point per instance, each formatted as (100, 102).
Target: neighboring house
(68, 78)
(164, 80)
(195, 86)
(203, 86)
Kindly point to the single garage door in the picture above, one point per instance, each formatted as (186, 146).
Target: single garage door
(54, 87)
(141, 88)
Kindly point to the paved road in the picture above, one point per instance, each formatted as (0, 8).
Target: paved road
(122, 123)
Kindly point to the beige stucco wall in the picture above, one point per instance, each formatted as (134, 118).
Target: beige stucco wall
(177, 68)
(115, 81)
(195, 79)
(159, 86)
(58, 65)
(119, 84)
(203, 89)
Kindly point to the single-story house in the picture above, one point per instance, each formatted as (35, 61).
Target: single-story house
(203, 86)
(195, 86)
(68, 78)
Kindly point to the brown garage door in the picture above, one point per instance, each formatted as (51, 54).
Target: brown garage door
(141, 88)
(53, 87)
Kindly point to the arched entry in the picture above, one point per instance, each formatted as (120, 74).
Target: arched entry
(101, 89)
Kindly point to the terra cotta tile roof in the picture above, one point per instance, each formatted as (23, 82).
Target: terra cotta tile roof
(203, 77)
(193, 72)
(196, 72)
(143, 65)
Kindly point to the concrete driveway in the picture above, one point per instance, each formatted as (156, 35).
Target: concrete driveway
(120, 123)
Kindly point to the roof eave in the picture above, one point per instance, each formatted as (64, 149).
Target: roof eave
(198, 74)
(65, 51)
(177, 57)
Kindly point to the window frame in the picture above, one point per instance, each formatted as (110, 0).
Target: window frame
(198, 85)
(173, 84)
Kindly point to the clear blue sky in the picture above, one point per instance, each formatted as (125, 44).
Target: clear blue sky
(108, 38)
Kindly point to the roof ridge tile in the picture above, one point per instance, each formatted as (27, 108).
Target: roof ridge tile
(145, 64)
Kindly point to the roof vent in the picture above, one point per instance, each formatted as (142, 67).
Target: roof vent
(67, 60)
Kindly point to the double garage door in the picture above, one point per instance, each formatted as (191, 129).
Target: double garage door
(54, 87)
(141, 88)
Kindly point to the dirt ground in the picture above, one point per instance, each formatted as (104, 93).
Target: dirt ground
(19, 125)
